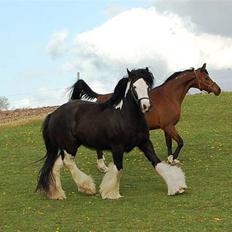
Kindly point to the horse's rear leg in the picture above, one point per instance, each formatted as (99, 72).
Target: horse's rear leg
(171, 133)
(101, 166)
(55, 190)
(109, 187)
(84, 182)
(49, 177)
(168, 140)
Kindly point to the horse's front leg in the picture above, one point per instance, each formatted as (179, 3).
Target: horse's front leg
(101, 166)
(109, 187)
(172, 175)
(171, 133)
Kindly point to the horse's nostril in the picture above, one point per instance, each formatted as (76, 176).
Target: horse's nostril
(145, 107)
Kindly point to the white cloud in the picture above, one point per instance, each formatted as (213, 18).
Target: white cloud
(112, 10)
(41, 97)
(216, 50)
(56, 46)
(145, 37)
(164, 41)
(21, 103)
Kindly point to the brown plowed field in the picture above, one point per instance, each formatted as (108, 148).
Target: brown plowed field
(21, 116)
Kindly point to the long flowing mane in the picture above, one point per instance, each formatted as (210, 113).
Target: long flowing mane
(81, 90)
(120, 89)
(118, 94)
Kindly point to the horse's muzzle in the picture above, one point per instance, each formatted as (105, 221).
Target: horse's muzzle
(145, 105)
(216, 90)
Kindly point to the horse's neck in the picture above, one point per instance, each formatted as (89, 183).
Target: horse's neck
(180, 86)
(132, 111)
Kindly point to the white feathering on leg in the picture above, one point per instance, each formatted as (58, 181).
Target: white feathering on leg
(101, 165)
(179, 176)
(84, 182)
(109, 187)
(173, 176)
(56, 191)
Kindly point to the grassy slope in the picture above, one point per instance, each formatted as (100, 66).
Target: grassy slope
(206, 128)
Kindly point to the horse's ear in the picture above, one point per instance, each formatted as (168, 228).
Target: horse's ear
(147, 69)
(129, 73)
(203, 67)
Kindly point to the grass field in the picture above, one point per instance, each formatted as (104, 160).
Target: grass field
(206, 127)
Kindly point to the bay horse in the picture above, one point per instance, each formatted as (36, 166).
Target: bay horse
(166, 101)
(117, 125)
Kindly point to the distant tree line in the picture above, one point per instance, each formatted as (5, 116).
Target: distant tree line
(4, 103)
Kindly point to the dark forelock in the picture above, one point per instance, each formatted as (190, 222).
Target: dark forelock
(143, 73)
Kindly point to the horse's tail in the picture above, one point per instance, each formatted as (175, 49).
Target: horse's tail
(45, 175)
(81, 89)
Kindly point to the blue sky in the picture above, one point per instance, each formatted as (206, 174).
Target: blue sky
(26, 27)
(32, 77)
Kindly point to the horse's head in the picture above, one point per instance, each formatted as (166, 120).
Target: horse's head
(141, 81)
(204, 82)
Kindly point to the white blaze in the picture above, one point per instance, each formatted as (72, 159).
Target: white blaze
(141, 89)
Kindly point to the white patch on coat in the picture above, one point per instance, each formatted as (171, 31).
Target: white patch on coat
(120, 104)
(173, 177)
(109, 187)
(84, 182)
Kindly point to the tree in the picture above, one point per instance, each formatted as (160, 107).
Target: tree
(4, 103)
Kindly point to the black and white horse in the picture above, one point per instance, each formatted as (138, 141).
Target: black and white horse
(117, 125)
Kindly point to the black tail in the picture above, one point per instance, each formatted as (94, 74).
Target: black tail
(81, 89)
(45, 175)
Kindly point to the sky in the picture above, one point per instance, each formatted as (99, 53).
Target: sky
(45, 43)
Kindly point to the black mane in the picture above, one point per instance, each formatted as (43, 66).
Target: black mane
(175, 75)
(120, 89)
(81, 90)
(118, 94)
(144, 73)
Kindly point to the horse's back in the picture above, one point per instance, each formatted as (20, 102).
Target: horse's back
(85, 123)
(63, 121)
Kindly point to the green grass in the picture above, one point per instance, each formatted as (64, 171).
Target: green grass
(205, 126)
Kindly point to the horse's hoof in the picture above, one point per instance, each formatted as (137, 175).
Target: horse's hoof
(88, 188)
(111, 195)
(178, 192)
(61, 198)
(103, 169)
(176, 161)
(170, 159)
(57, 196)
(181, 191)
